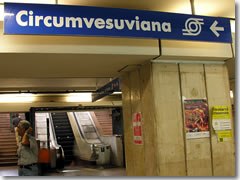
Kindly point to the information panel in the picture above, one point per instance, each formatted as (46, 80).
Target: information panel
(45, 19)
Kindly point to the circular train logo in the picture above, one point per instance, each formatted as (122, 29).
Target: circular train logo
(193, 27)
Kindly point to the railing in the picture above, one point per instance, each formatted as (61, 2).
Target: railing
(53, 139)
(59, 150)
(79, 128)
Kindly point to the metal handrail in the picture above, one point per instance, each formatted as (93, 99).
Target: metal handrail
(53, 139)
(79, 128)
(59, 149)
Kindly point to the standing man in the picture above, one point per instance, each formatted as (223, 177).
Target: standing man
(15, 122)
(27, 150)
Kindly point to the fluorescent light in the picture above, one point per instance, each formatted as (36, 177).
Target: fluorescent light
(117, 93)
(1, 12)
(16, 98)
(22, 1)
(232, 26)
(231, 93)
(79, 97)
(32, 1)
(8, 14)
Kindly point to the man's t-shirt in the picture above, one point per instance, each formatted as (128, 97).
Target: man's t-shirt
(28, 154)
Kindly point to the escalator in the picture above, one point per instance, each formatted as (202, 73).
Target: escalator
(87, 126)
(64, 135)
(89, 145)
(71, 135)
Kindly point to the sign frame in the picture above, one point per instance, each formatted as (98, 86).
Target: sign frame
(113, 86)
(46, 19)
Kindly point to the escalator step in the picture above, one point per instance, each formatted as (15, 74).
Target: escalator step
(64, 138)
(59, 116)
(60, 128)
(62, 124)
(61, 119)
(91, 135)
(65, 143)
(63, 130)
(65, 134)
(60, 141)
(68, 153)
(67, 147)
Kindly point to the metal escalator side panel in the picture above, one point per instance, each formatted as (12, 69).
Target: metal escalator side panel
(87, 127)
(82, 149)
(53, 139)
(57, 153)
(99, 151)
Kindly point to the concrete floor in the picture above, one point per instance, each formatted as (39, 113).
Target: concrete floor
(71, 171)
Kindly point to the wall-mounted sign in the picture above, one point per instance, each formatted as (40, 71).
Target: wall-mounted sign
(113, 86)
(221, 122)
(137, 128)
(221, 118)
(196, 118)
(114, 22)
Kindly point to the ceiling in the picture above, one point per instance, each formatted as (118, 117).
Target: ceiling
(100, 73)
(222, 8)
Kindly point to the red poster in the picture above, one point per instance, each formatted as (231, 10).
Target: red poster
(137, 128)
(196, 118)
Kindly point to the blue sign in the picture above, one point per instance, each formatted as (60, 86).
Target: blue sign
(114, 22)
(113, 86)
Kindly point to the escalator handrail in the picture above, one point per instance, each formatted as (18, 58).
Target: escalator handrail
(54, 140)
(93, 123)
(79, 128)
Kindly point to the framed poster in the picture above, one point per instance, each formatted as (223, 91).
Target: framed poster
(137, 128)
(196, 118)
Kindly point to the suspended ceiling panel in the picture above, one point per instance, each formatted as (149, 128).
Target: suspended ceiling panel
(178, 6)
(52, 84)
(50, 61)
(189, 50)
(42, 65)
(223, 8)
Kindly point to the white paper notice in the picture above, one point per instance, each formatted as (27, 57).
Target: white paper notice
(222, 124)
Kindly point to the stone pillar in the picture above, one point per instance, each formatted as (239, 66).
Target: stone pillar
(157, 90)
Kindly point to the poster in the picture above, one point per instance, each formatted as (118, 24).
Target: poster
(221, 118)
(196, 118)
(137, 128)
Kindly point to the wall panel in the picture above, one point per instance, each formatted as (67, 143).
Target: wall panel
(169, 123)
(198, 153)
(127, 123)
(218, 94)
(149, 122)
(139, 153)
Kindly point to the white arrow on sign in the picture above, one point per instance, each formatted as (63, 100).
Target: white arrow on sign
(214, 28)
